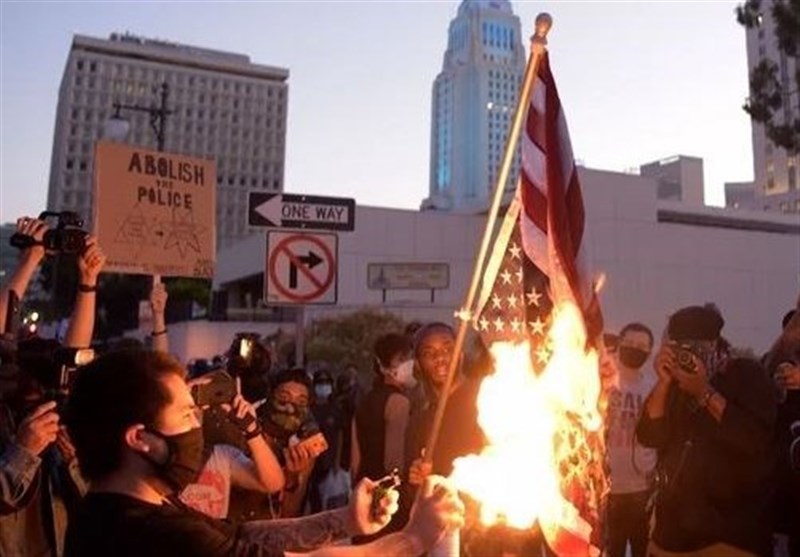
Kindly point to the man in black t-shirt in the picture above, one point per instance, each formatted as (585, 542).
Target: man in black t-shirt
(138, 441)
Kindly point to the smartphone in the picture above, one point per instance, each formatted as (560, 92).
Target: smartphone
(220, 390)
(317, 444)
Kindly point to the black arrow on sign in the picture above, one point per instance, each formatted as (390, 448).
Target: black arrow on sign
(311, 260)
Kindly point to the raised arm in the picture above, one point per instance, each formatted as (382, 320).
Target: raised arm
(81, 324)
(29, 260)
(158, 305)
(261, 472)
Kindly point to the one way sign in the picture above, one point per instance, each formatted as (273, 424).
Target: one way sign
(310, 212)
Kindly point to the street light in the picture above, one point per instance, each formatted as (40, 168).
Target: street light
(117, 127)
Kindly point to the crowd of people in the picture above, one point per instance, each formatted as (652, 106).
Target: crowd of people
(135, 453)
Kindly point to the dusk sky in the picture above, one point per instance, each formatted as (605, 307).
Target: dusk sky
(639, 81)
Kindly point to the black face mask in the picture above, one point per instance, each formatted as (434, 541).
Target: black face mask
(185, 458)
(632, 358)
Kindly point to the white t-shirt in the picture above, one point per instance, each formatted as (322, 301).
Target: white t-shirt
(211, 493)
(631, 465)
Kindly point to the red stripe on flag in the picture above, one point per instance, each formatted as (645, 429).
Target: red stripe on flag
(534, 203)
(574, 203)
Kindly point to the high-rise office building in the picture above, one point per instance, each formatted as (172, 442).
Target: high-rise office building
(222, 106)
(776, 171)
(473, 103)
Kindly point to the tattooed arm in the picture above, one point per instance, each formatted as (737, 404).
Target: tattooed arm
(400, 544)
(437, 511)
(301, 534)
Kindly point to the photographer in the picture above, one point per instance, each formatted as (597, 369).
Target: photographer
(39, 479)
(711, 418)
(138, 440)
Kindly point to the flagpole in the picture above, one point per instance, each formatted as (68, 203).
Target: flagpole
(538, 44)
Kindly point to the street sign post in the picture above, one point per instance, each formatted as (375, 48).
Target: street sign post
(309, 212)
(301, 268)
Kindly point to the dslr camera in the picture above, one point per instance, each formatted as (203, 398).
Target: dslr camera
(68, 235)
(66, 362)
(685, 353)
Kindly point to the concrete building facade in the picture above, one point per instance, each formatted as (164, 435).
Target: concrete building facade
(658, 256)
(473, 103)
(679, 178)
(222, 106)
(777, 176)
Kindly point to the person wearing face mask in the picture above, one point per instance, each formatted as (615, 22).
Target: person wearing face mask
(379, 429)
(630, 465)
(382, 416)
(331, 424)
(139, 441)
(711, 418)
(287, 420)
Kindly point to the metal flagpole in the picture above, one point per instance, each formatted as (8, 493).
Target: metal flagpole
(538, 44)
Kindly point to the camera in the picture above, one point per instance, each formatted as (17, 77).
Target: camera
(68, 235)
(685, 353)
(47, 375)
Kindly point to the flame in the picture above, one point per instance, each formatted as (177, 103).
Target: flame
(537, 426)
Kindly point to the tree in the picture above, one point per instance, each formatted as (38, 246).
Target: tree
(767, 103)
(349, 338)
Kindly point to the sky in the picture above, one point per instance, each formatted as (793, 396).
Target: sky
(639, 81)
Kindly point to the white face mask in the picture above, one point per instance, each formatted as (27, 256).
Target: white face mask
(404, 374)
(323, 391)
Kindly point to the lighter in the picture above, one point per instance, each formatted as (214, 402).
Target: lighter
(385, 485)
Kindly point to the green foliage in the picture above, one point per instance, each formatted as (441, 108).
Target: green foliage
(193, 289)
(349, 338)
(766, 103)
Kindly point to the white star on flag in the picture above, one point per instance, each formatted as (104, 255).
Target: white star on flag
(499, 325)
(515, 251)
(506, 276)
(533, 297)
(512, 301)
(497, 302)
(537, 327)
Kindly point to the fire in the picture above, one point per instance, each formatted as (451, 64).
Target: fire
(537, 426)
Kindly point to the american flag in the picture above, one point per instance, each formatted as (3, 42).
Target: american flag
(538, 260)
(538, 255)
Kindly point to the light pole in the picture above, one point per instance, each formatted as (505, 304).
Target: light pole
(117, 127)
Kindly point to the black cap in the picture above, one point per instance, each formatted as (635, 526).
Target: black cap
(323, 376)
(695, 323)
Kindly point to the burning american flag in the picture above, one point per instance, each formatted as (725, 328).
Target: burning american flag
(538, 314)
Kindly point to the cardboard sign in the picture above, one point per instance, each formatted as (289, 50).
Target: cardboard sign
(154, 213)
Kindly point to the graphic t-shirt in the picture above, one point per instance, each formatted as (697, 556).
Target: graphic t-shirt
(211, 493)
(630, 463)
